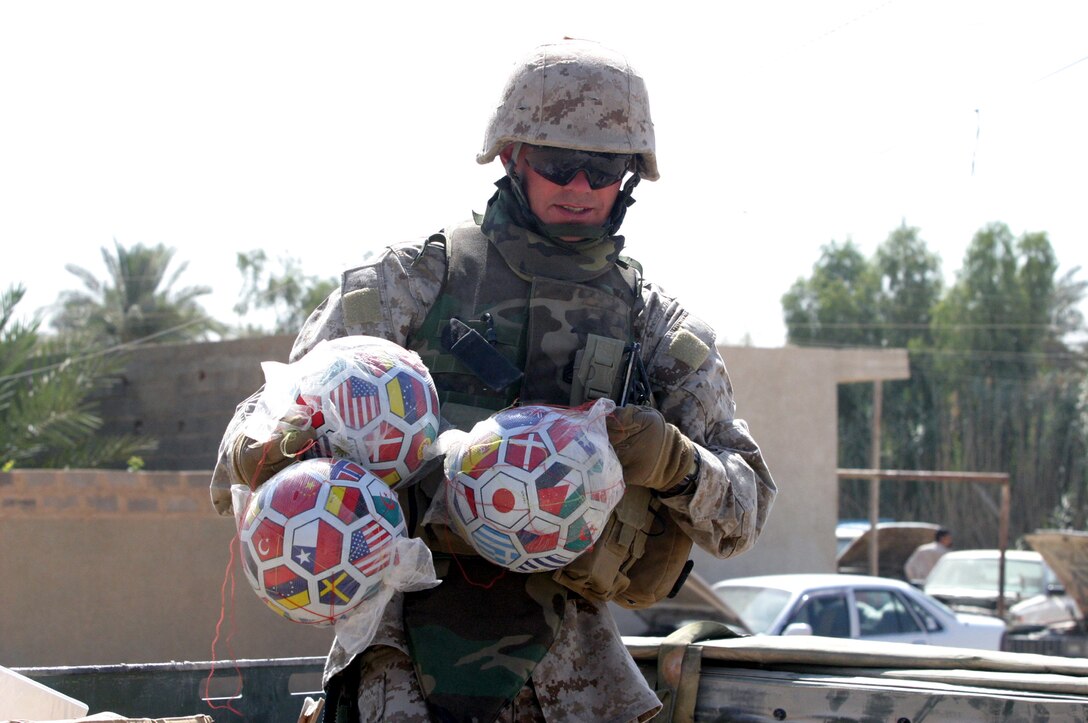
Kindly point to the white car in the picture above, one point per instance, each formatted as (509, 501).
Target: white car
(853, 606)
(967, 579)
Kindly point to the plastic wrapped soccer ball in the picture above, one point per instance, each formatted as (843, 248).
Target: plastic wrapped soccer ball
(370, 401)
(531, 488)
(318, 538)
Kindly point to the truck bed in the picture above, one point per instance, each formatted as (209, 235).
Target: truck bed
(749, 679)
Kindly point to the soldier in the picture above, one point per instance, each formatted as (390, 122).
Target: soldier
(534, 303)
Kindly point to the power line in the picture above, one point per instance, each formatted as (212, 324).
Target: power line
(1062, 69)
(922, 325)
(116, 349)
(847, 23)
(981, 354)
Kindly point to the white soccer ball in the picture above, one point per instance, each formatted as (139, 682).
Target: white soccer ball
(372, 402)
(317, 539)
(531, 490)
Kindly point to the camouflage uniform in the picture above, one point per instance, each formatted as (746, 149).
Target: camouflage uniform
(723, 515)
(587, 673)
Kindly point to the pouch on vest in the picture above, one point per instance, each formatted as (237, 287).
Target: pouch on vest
(476, 353)
(621, 567)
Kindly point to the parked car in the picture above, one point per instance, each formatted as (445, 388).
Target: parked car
(853, 606)
(967, 580)
(1051, 608)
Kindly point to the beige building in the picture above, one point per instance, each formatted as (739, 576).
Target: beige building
(110, 567)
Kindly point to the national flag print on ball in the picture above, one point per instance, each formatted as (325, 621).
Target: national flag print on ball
(316, 546)
(496, 545)
(337, 589)
(368, 548)
(287, 587)
(386, 505)
(526, 450)
(347, 503)
(356, 400)
(345, 469)
(407, 397)
(301, 497)
(267, 540)
(384, 444)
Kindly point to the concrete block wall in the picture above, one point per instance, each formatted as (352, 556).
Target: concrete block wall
(184, 395)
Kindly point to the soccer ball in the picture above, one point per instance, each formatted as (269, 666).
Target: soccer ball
(318, 538)
(530, 489)
(372, 402)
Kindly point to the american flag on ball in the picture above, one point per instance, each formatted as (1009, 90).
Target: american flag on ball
(357, 402)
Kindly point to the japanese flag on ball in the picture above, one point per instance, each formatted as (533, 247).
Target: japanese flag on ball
(532, 487)
(319, 538)
(370, 401)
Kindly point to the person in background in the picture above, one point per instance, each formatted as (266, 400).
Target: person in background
(922, 560)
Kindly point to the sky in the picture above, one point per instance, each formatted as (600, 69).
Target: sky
(324, 131)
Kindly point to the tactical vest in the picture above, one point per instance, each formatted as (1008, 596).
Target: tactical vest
(540, 325)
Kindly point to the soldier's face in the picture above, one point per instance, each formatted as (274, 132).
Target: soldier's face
(574, 202)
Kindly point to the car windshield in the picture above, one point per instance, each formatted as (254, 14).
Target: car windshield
(1022, 577)
(758, 607)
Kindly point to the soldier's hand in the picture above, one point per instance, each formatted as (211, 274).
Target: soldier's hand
(255, 462)
(653, 452)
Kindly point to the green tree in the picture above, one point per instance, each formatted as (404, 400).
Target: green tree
(836, 306)
(994, 384)
(910, 285)
(885, 301)
(137, 300)
(47, 389)
(289, 293)
(1011, 387)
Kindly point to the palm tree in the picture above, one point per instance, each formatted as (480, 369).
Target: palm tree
(47, 410)
(137, 301)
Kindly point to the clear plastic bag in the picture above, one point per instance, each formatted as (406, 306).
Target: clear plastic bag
(324, 542)
(367, 399)
(531, 487)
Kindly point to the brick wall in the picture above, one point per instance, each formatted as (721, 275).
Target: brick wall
(47, 493)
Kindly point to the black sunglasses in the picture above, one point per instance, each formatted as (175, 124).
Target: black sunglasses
(561, 165)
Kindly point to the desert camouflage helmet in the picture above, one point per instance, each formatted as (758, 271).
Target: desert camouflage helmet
(575, 94)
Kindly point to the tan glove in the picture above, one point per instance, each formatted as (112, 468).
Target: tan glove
(653, 453)
(256, 462)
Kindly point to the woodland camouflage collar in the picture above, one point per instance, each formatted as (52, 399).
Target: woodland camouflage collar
(529, 254)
